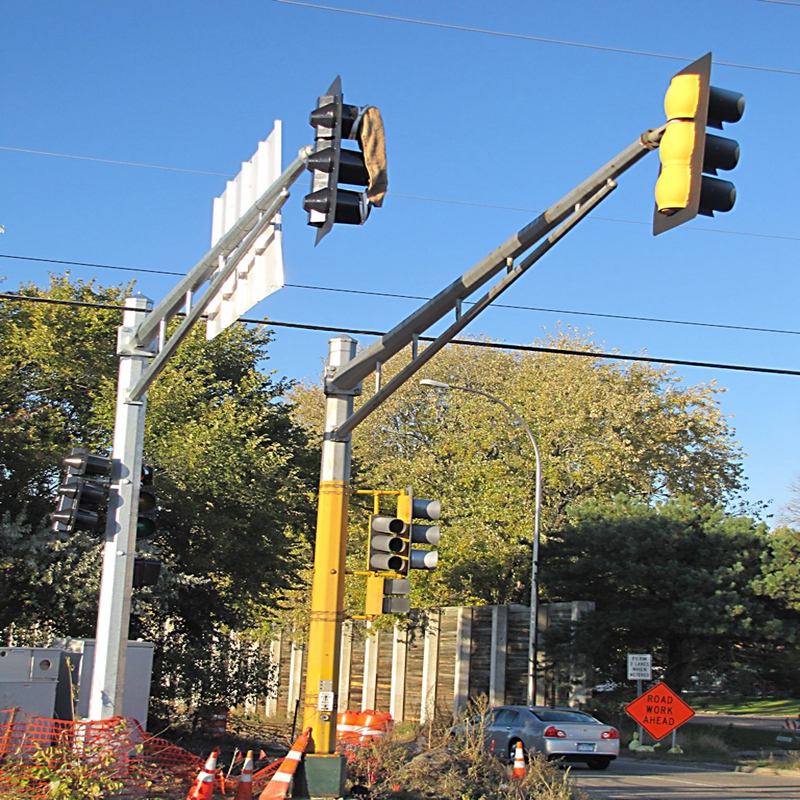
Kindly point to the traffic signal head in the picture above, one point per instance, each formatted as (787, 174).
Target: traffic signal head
(332, 164)
(83, 492)
(409, 509)
(148, 505)
(687, 151)
(145, 571)
(387, 596)
(388, 544)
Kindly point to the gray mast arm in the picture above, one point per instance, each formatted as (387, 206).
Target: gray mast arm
(353, 372)
(203, 270)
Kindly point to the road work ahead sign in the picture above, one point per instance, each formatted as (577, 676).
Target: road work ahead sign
(659, 711)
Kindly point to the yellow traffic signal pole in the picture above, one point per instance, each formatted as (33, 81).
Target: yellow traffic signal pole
(322, 773)
(327, 596)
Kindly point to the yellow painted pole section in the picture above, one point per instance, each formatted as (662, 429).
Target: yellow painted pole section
(327, 612)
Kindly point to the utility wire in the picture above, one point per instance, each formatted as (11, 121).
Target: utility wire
(510, 35)
(419, 198)
(112, 161)
(465, 342)
(396, 296)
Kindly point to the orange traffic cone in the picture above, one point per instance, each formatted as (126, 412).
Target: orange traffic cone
(203, 788)
(244, 789)
(518, 772)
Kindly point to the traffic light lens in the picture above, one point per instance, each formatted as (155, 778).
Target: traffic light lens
(145, 528)
(147, 502)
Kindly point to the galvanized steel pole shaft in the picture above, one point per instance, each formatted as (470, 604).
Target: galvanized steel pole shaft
(119, 552)
(327, 596)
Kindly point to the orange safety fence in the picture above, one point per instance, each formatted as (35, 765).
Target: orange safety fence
(117, 750)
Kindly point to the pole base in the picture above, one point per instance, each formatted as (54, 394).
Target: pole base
(320, 775)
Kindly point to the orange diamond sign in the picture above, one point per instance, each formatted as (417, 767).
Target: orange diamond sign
(659, 710)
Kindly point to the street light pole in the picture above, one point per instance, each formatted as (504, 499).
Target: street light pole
(532, 636)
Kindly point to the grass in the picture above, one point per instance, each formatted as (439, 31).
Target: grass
(755, 706)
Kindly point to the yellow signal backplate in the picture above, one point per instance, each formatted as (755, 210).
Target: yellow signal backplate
(682, 97)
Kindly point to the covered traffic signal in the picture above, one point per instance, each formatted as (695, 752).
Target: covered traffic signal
(148, 505)
(687, 151)
(332, 164)
(83, 493)
(409, 509)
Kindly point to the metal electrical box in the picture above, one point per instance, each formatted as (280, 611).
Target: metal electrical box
(29, 679)
(78, 657)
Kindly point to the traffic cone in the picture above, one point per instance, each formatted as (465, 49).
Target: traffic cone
(244, 789)
(518, 772)
(203, 788)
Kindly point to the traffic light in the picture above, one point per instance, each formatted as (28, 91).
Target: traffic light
(687, 151)
(83, 492)
(148, 505)
(388, 544)
(387, 596)
(331, 164)
(145, 571)
(408, 509)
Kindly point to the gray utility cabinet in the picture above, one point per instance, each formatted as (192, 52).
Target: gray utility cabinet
(76, 679)
(29, 679)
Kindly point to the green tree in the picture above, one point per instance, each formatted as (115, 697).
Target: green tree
(603, 428)
(235, 478)
(55, 357)
(675, 580)
(781, 569)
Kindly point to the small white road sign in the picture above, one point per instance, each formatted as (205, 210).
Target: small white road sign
(640, 667)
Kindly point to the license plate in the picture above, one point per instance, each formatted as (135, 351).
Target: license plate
(585, 747)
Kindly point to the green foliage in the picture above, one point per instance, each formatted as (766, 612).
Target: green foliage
(674, 580)
(781, 579)
(52, 364)
(235, 479)
(69, 769)
(603, 428)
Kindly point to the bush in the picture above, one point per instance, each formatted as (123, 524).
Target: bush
(448, 765)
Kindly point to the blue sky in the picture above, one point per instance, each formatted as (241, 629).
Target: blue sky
(484, 131)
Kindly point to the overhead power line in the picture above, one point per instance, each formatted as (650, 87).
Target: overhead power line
(397, 296)
(418, 198)
(465, 342)
(113, 161)
(527, 37)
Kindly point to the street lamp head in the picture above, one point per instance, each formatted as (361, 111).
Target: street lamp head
(434, 384)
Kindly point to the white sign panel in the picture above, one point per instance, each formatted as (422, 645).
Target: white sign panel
(260, 272)
(640, 667)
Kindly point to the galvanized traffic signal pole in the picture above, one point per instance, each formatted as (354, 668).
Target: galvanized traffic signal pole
(144, 351)
(119, 550)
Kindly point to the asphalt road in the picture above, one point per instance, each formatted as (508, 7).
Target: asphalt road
(629, 779)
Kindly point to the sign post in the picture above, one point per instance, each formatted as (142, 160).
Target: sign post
(640, 668)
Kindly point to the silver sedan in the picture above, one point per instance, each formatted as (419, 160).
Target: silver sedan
(557, 733)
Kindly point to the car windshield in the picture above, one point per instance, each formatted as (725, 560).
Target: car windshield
(551, 715)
